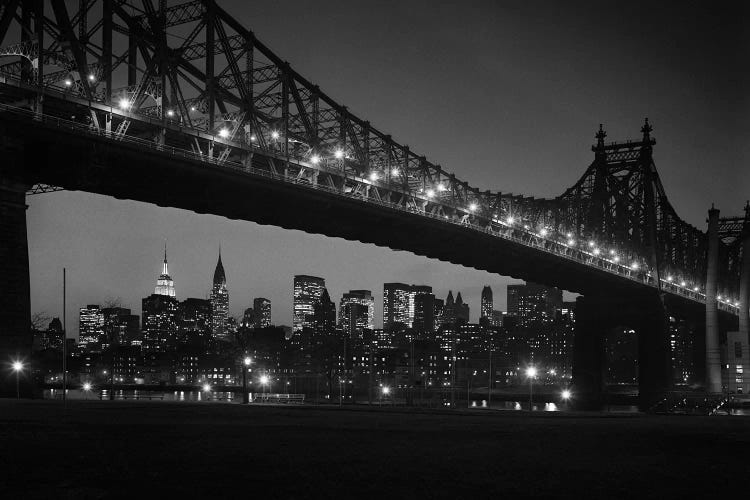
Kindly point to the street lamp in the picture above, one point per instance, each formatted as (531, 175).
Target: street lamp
(18, 368)
(245, 398)
(264, 381)
(86, 389)
(384, 391)
(531, 373)
(566, 396)
(207, 389)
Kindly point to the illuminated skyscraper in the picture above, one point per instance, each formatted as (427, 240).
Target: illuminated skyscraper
(357, 312)
(533, 304)
(219, 301)
(90, 325)
(487, 306)
(159, 318)
(262, 310)
(164, 284)
(424, 310)
(397, 303)
(307, 291)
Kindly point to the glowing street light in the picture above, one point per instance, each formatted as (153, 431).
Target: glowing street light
(387, 390)
(315, 159)
(394, 172)
(634, 266)
(591, 243)
(565, 394)
(206, 387)
(571, 242)
(543, 232)
(274, 135)
(86, 389)
(473, 207)
(68, 82)
(124, 103)
(374, 176)
(253, 138)
(683, 284)
(18, 368)
(530, 374)
(338, 154)
(597, 251)
(224, 133)
(510, 221)
(616, 258)
(265, 381)
(170, 113)
(247, 362)
(441, 187)
(430, 193)
(92, 77)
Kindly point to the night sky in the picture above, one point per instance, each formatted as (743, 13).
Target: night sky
(507, 95)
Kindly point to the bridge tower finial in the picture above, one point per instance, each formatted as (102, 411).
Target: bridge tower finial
(646, 129)
(600, 135)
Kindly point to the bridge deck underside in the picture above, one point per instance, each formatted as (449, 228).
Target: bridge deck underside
(79, 162)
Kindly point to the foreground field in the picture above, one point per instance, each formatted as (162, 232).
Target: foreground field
(102, 449)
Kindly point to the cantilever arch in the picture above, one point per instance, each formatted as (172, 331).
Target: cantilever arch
(713, 355)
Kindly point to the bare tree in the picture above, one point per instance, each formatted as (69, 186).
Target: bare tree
(40, 320)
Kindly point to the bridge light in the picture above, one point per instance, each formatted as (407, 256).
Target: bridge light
(682, 284)
(394, 171)
(634, 266)
(274, 135)
(571, 242)
(597, 251)
(224, 133)
(124, 103)
(472, 207)
(616, 258)
(718, 297)
(510, 221)
(441, 187)
(339, 153)
(68, 82)
(253, 138)
(569, 235)
(591, 243)
(543, 232)
(669, 279)
(92, 77)
(695, 288)
(611, 252)
(192, 108)
(526, 227)
(374, 176)
(314, 159)
(170, 112)
(430, 193)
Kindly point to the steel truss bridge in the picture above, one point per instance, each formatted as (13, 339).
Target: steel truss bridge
(187, 83)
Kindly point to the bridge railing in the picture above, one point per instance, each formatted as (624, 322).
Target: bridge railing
(523, 235)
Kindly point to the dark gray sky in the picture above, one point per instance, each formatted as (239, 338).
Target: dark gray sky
(507, 95)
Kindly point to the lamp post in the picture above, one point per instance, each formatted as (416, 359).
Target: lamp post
(18, 368)
(384, 392)
(566, 397)
(264, 380)
(86, 389)
(531, 373)
(245, 396)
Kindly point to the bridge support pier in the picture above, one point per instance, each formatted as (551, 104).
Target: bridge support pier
(595, 316)
(713, 353)
(15, 313)
(744, 323)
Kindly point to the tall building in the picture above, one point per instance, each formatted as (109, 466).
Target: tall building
(398, 305)
(487, 305)
(365, 316)
(307, 291)
(159, 321)
(90, 325)
(323, 318)
(219, 301)
(531, 303)
(262, 310)
(164, 284)
(120, 327)
(194, 318)
(462, 310)
(424, 310)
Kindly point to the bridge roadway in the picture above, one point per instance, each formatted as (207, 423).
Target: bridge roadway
(50, 150)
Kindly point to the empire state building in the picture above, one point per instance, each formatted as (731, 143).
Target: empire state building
(164, 285)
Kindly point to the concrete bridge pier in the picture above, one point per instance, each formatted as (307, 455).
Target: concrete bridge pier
(713, 352)
(15, 313)
(595, 316)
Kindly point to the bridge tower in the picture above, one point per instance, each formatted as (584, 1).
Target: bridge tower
(15, 312)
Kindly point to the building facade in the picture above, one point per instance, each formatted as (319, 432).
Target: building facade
(307, 292)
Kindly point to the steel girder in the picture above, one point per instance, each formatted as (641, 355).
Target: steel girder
(191, 76)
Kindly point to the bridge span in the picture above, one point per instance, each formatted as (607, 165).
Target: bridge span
(262, 143)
